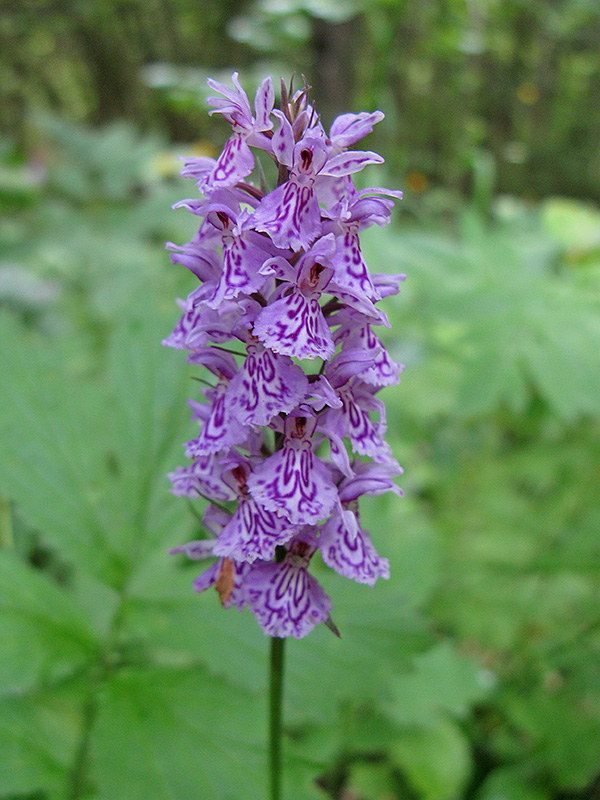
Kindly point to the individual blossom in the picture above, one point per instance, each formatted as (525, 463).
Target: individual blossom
(282, 329)
(284, 597)
(291, 214)
(237, 160)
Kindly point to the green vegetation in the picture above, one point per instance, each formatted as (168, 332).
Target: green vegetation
(474, 673)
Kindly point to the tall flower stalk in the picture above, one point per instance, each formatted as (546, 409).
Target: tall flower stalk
(284, 452)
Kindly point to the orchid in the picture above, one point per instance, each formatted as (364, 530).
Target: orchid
(284, 452)
(282, 275)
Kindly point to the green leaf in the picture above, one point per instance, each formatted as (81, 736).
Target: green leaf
(442, 681)
(188, 734)
(85, 459)
(371, 782)
(44, 636)
(39, 736)
(500, 303)
(509, 783)
(435, 759)
(573, 223)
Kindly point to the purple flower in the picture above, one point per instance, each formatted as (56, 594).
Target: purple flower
(291, 214)
(293, 482)
(348, 549)
(236, 161)
(266, 385)
(284, 597)
(294, 324)
(201, 479)
(253, 531)
(285, 453)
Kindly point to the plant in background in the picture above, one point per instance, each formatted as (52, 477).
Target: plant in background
(291, 432)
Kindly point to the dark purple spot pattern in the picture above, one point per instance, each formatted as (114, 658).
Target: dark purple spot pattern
(253, 532)
(351, 553)
(285, 598)
(294, 483)
(266, 385)
(295, 326)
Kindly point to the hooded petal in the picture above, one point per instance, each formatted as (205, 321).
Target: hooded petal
(347, 129)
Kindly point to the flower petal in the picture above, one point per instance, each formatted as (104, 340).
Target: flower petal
(285, 599)
(352, 556)
(252, 533)
(235, 163)
(290, 215)
(295, 326)
(294, 483)
(220, 431)
(266, 385)
(347, 129)
(349, 162)
(201, 478)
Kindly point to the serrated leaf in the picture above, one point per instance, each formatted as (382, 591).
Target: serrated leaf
(86, 459)
(517, 321)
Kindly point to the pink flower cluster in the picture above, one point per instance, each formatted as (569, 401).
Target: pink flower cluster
(283, 452)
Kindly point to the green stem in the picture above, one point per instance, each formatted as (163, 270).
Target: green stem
(275, 698)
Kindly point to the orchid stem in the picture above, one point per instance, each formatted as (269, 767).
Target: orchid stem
(275, 703)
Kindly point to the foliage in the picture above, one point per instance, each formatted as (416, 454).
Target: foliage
(472, 673)
(518, 80)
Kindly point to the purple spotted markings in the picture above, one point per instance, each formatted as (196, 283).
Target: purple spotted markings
(290, 434)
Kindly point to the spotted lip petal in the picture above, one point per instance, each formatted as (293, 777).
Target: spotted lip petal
(353, 421)
(266, 385)
(352, 556)
(234, 164)
(294, 483)
(295, 326)
(242, 260)
(201, 478)
(290, 215)
(221, 429)
(285, 599)
(351, 271)
(383, 370)
(253, 533)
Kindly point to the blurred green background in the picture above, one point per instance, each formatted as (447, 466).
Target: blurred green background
(474, 673)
